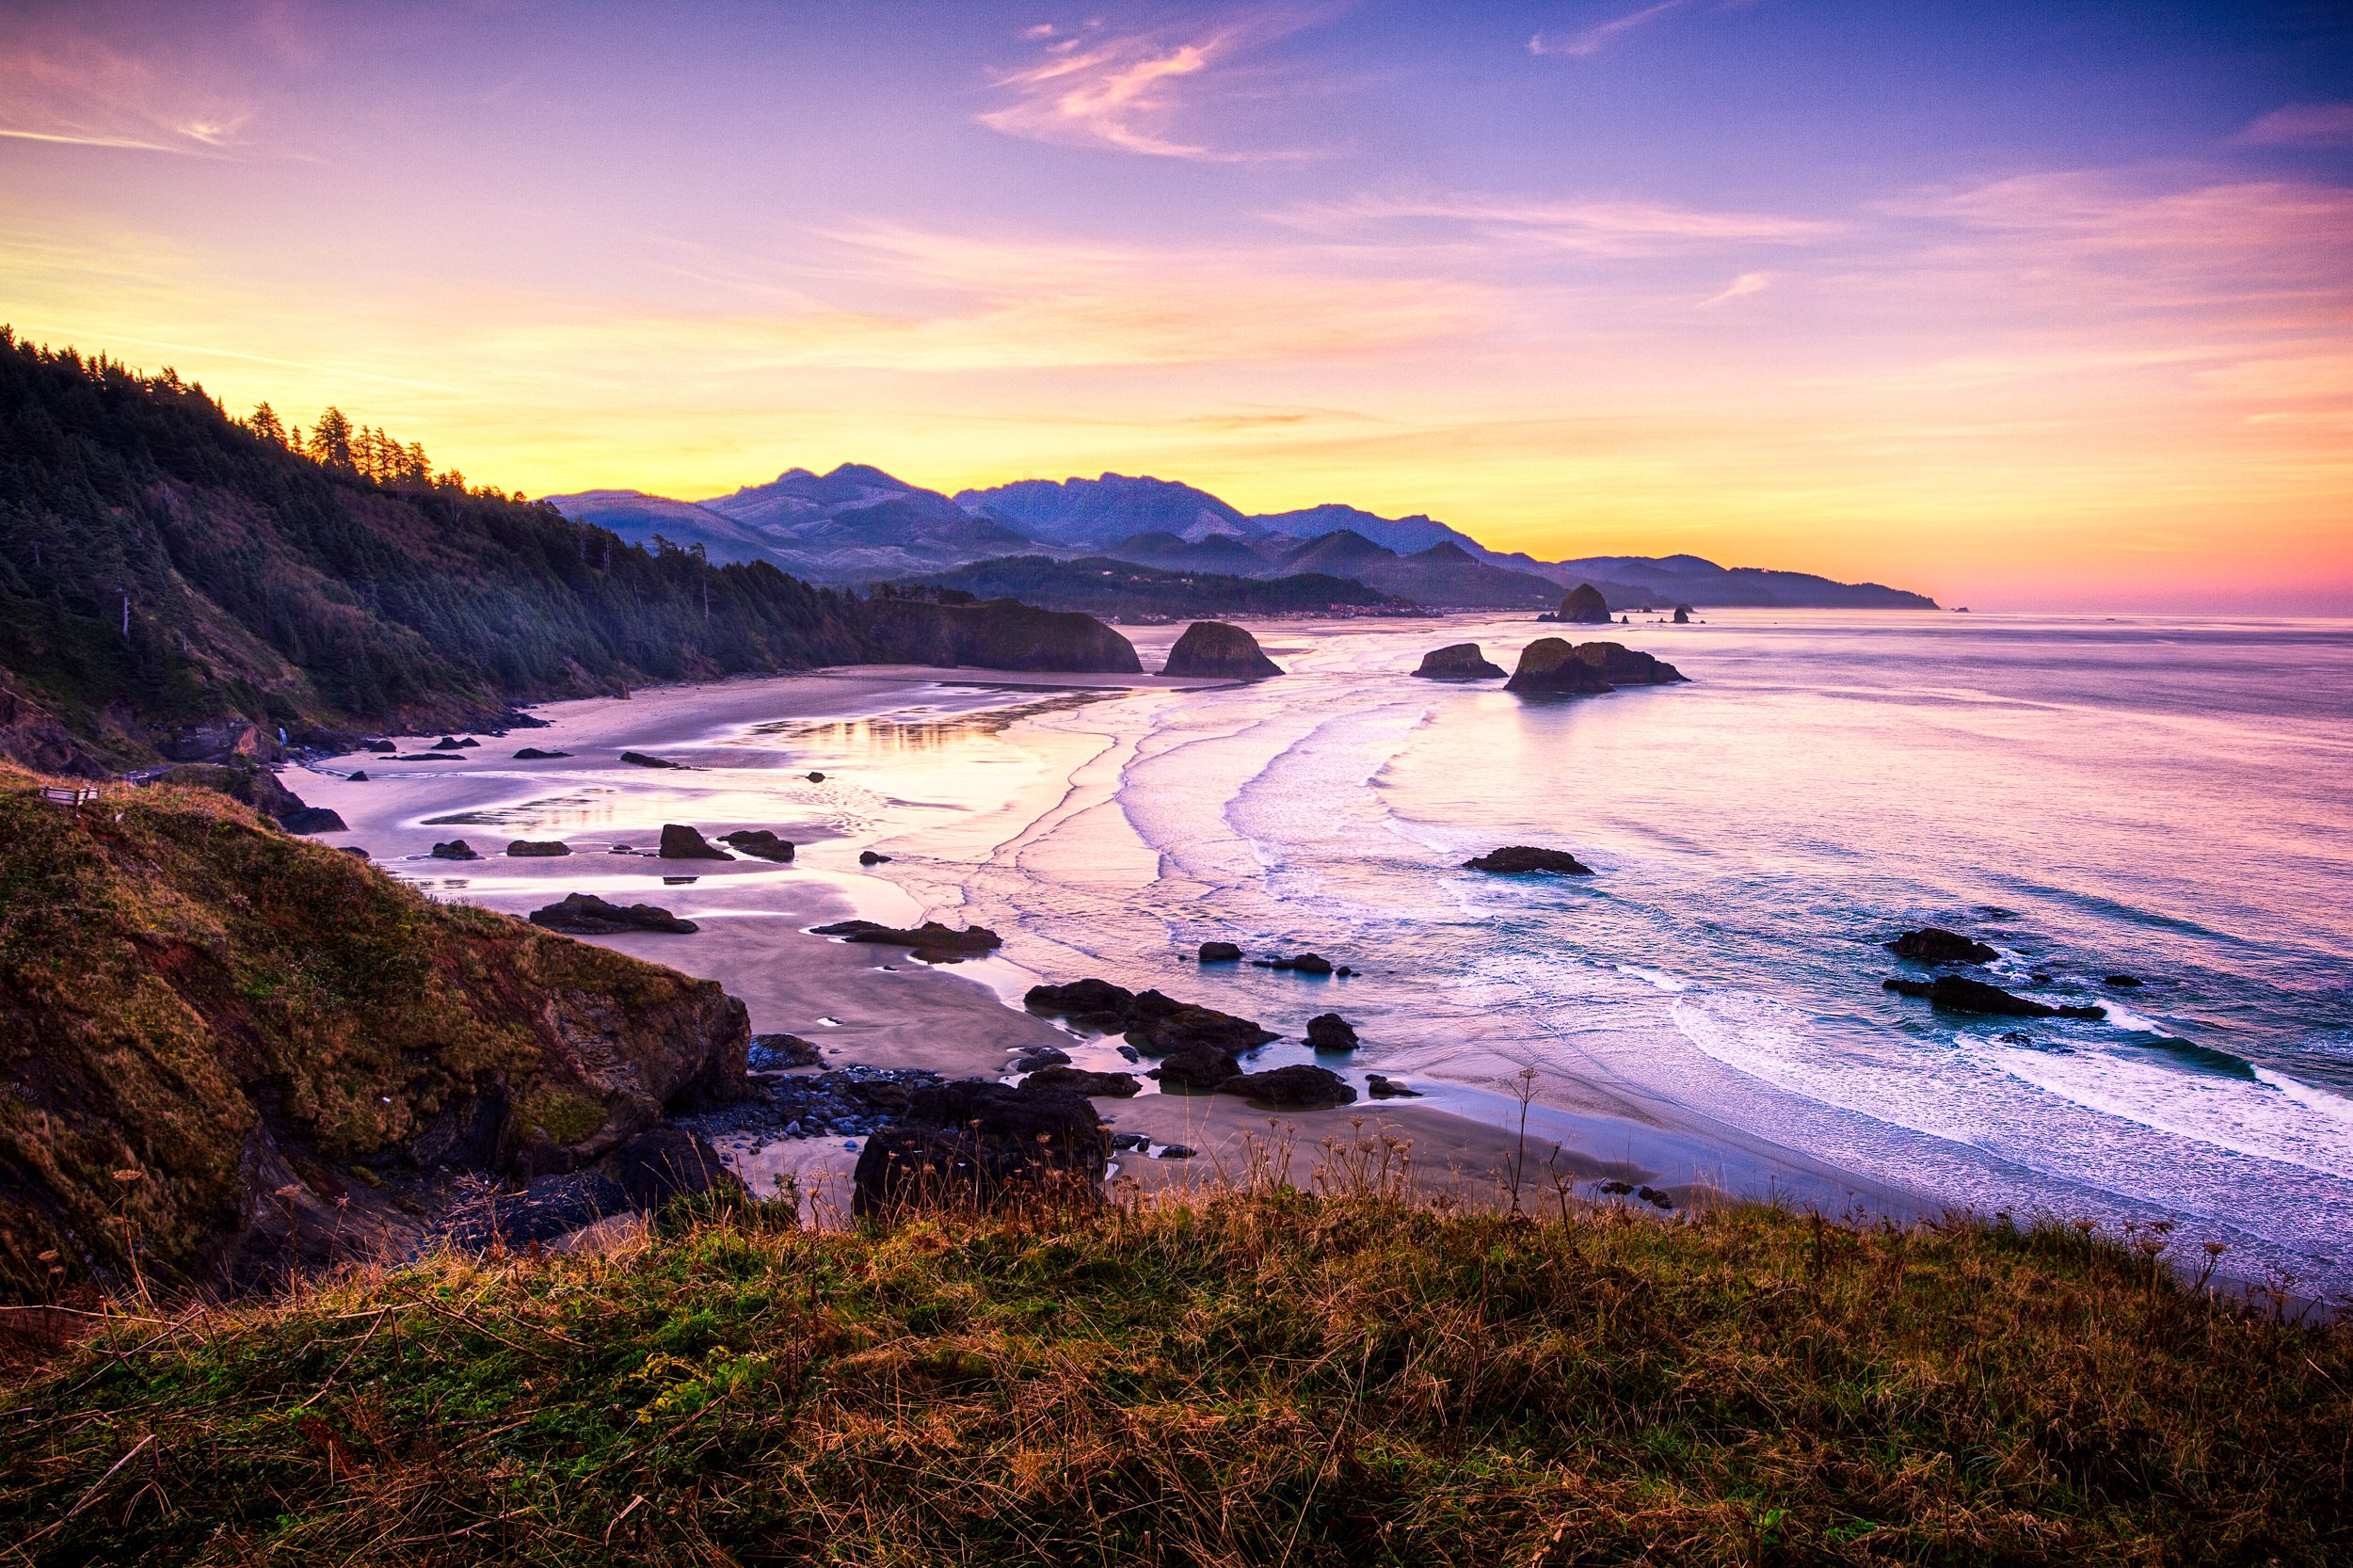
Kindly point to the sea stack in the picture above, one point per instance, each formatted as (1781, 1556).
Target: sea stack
(1683, 614)
(1458, 661)
(1216, 649)
(1585, 607)
(1550, 665)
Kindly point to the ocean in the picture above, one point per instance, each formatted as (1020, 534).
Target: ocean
(2171, 800)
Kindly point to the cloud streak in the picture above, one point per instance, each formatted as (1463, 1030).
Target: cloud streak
(69, 89)
(1125, 93)
(2302, 125)
(1591, 227)
(1592, 41)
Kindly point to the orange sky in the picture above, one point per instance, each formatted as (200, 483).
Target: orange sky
(2007, 343)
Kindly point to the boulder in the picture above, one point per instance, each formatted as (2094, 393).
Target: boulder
(1458, 661)
(931, 942)
(1295, 1088)
(774, 1053)
(871, 858)
(1934, 944)
(1220, 952)
(2121, 982)
(1096, 1006)
(974, 1142)
(1953, 993)
(1622, 665)
(681, 842)
(1217, 650)
(1330, 1032)
(1683, 614)
(456, 849)
(1585, 606)
(533, 754)
(359, 776)
(815, 777)
(759, 843)
(384, 748)
(1195, 1069)
(449, 742)
(528, 848)
(1312, 963)
(1159, 1025)
(1519, 859)
(312, 819)
(1388, 1088)
(1078, 1080)
(587, 915)
(1549, 665)
(1037, 1057)
(638, 759)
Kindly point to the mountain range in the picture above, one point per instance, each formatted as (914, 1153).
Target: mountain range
(858, 524)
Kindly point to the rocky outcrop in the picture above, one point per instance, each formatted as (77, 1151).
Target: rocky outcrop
(169, 1052)
(1458, 661)
(1215, 649)
(1585, 606)
(931, 942)
(998, 634)
(456, 849)
(312, 819)
(640, 759)
(1382, 1088)
(681, 842)
(1332, 1032)
(1553, 665)
(31, 737)
(1219, 953)
(775, 1053)
(1078, 1080)
(1683, 614)
(1195, 1069)
(587, 915)
(539, 849)
(247, 780)
(1296, 1088)
(1934, 944)
(533, 754)
(1954, 993)
(759, 843)
(983, 1145)
(1520, 860)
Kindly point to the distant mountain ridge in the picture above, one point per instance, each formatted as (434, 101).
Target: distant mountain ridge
(858, 524)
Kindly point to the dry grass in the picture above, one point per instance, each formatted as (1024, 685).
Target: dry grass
(1252, 1375)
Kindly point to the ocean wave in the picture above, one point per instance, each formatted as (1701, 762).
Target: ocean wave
(2256, 1117)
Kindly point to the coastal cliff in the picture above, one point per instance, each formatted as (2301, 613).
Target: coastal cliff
(222, 1046)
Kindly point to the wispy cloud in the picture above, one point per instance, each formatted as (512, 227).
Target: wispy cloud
(1596, 228)
(1592, 41)
(2302, 125)
(1741, 287)
(1125, 93)
(69, 89)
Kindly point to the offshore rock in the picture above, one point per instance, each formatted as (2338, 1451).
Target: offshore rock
(1220, 952)
(931, 942)
(997, 633)
(1389, 1088)
(1934, 944)
(526, 849)
(1585, 606)
(1195, 1069)
(1330, 1032)
(681, 842)
(1216, 649)
(1683, 614)
(639, 758)
(456, 849)
(1953, 993)
(1458, 661)
(587, 915)
(1519, 859)
(759, 842)
(1550, 665)
(1622, 665)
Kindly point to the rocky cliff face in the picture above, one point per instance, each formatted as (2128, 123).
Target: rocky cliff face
(224, 1048)
(998, 633)
(1214, 648)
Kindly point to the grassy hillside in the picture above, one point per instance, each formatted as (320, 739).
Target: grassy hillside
(163, 566)
(1246, 1379)
(210, 1027)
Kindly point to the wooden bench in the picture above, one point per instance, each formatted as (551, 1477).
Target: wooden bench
(67, 794)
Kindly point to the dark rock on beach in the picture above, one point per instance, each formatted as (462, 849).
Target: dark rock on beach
(815, 777)
(1078, 1080)
(1458, 661)
(1585, 606)
(666, 1163)
(1520, 860)
(775, 1053)
(456, 849)
(1935, 945)
(1216, 649)
(587, 915)
(931, 942)
(1155, 1024)
(2121, 982)
(1330, 1032)
(529, 849)
(759, 842)
(1220, 952)
(1295, 1088)
(312, 819)
(1954, 993)
(1195, 1069)
(975, 1141)
(681, 842)
(639, 758)
(871, 857)
(533, 754)
(1382, 1088)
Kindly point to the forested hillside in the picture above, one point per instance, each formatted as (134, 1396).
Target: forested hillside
(164, 566)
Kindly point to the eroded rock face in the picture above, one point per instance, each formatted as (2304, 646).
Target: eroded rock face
(1215, 649)
(681, 842)
(1934, 944)
(1458, 661)
(587, 915)
(998, 634)
(1585, 606)
(978, 1143)
(1520, 860)
(1622, 665)
(1553, 665)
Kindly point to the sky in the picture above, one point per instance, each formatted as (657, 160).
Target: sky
(2038, 305)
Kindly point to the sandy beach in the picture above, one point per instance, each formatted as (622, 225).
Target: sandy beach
(876, 1006)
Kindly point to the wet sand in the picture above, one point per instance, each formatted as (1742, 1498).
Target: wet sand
(876, 1005)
